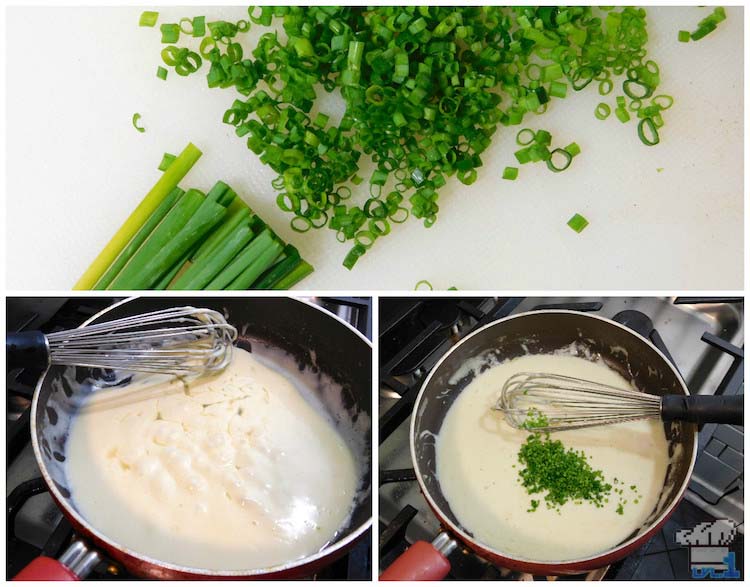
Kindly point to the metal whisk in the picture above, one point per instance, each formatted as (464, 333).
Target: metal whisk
(549, 402)
(182, 341)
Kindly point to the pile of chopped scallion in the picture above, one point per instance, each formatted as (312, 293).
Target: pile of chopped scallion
(425, 89)
(563, 474)
(188, 240)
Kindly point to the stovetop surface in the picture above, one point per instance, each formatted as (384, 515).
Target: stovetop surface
(687, 331)
(35, 524)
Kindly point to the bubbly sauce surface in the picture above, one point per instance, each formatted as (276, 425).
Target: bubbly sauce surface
(477, 450)
(236, 471)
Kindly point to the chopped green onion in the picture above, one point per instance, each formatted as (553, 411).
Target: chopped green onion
(663, 101)
(136, 118)
(166, 160)
(561, 474)
(647, 132)
(510, 173)
(558, 89)
(578, 223)
(534, 72)
(425, 91)
(552, 72)
(161, 73)
(301, 224)
(186, 26)
(170, 33)
(709, 24)
(525, 136)
(423, 285)
(573, 149)
(559, 160)
(148, 18)
(702, 31)
(683, 36)
(543, 137)
(602, 111)
(199, 26)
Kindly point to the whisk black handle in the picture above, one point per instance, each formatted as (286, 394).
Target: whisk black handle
(26, 349)
(714, 409)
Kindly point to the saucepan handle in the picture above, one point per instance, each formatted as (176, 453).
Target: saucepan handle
(421, 562)
(44, 568)
(26, 349)
(714, 409)
(75, 564)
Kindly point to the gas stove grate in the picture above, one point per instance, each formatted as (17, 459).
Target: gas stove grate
(418, 354)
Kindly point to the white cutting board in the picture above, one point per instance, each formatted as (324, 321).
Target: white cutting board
(76, 168)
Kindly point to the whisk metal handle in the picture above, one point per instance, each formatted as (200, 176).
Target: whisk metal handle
(26, 349)
(701, 409)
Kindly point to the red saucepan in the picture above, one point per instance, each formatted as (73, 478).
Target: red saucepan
(323, 347)
(538, 332)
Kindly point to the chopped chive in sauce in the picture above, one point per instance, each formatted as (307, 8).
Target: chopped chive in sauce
(561, 474)
(535, 419)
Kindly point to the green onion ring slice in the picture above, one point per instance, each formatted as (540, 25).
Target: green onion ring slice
(663, 101)
(523, 134)
(553, 166)
(300, 224)
(647, 132)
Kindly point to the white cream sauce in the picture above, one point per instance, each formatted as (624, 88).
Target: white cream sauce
(236, 471)
(477, 451)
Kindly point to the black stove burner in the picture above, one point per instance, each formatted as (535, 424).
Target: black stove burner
(408, 346)
(423, 323)
(443, 311)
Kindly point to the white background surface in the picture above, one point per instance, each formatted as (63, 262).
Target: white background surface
(76, 168)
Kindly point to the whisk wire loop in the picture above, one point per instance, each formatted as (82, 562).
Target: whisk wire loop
(547, 402)
(183, 341)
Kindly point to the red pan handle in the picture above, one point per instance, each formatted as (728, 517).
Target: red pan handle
(44, 568)
(421, 562)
